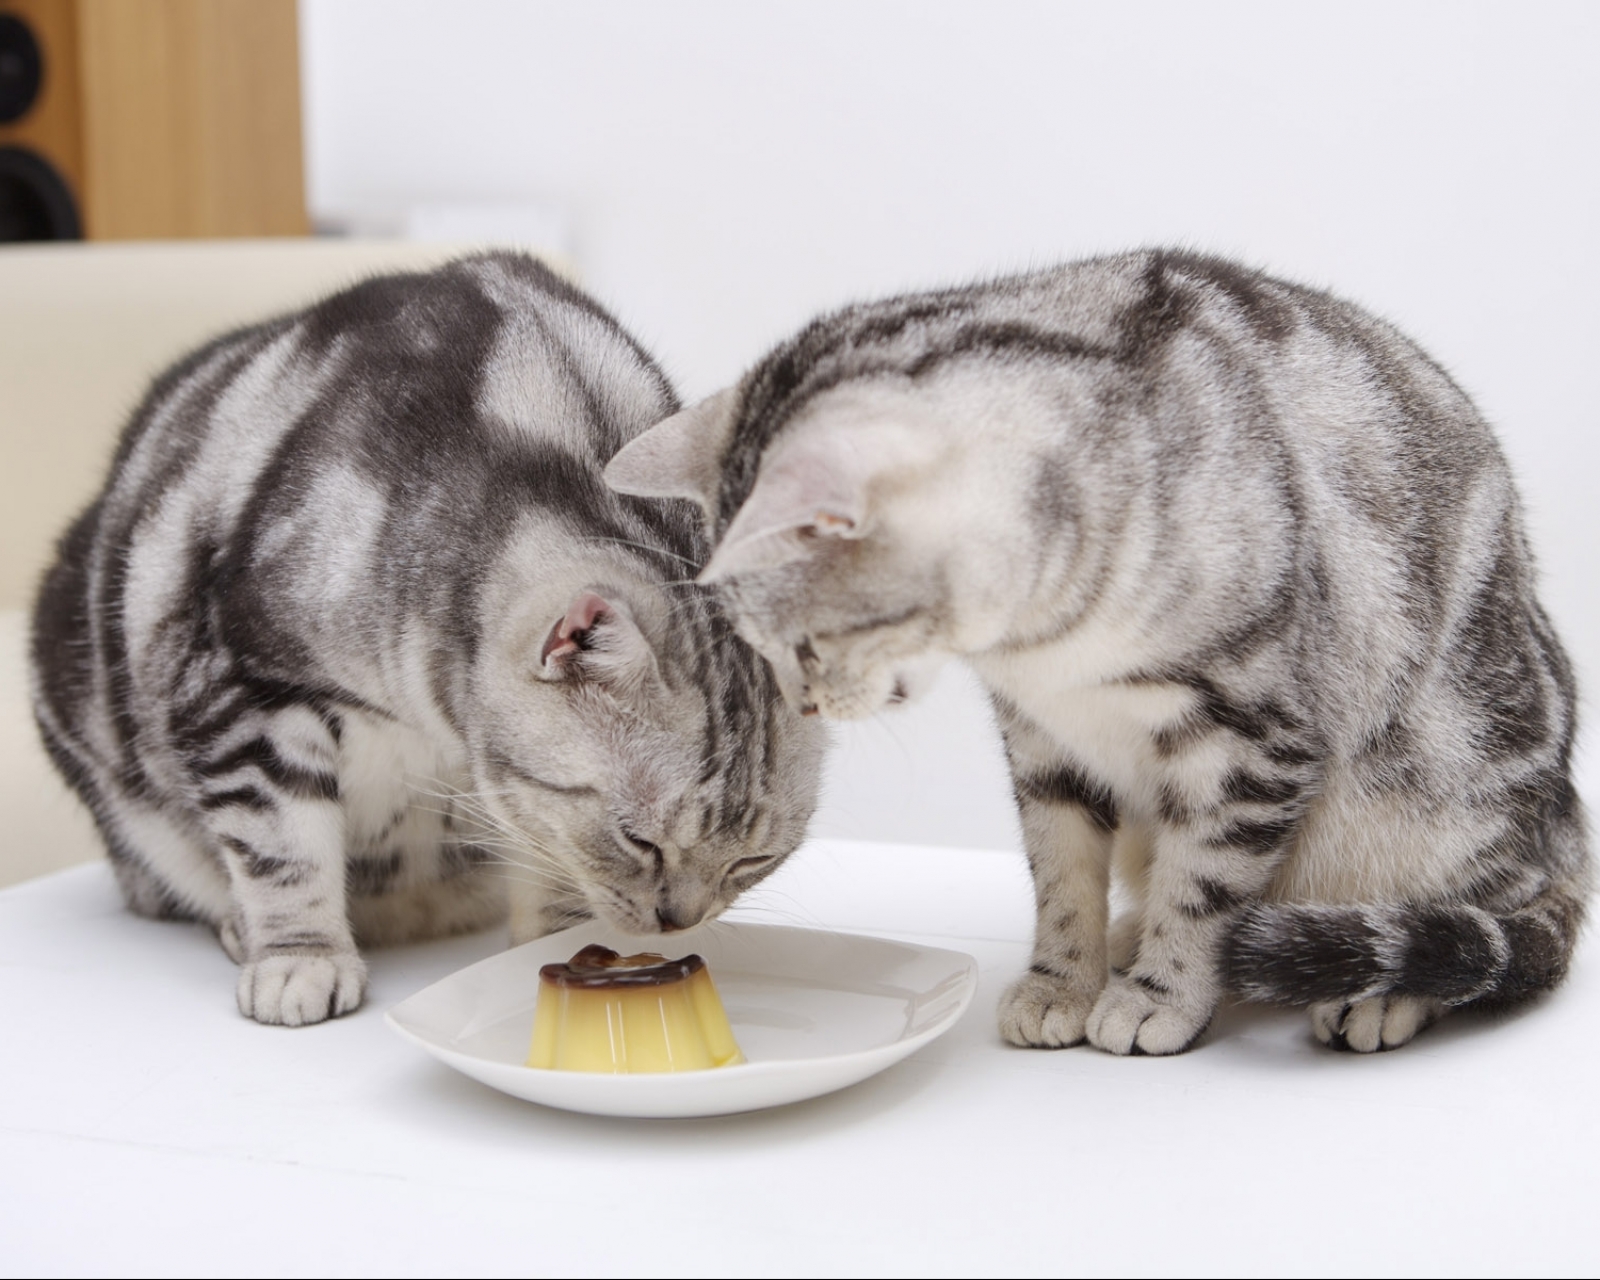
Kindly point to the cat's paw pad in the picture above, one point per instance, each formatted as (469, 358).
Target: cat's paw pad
(1129, 1018)
(1366, 1026)
(296, 990)
(1042, 1012)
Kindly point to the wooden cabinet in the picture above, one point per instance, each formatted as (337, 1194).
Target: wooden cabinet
(168, 119)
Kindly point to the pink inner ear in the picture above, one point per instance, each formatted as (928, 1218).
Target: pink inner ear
(567, 636)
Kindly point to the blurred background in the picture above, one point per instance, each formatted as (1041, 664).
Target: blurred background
(716, 172)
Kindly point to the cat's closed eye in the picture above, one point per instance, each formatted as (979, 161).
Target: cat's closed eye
(746, 866)
(638, 844)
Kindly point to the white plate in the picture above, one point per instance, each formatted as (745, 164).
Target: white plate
(813, 1012)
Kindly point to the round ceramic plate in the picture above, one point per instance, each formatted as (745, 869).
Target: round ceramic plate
(813, 1011)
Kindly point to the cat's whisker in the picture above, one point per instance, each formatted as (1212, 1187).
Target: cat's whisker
(509, 845)
(643, 546)
(477, 809)
(524, 876)
(513, 854)
(787, 910)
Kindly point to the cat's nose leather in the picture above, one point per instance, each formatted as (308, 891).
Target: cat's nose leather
(672, 919)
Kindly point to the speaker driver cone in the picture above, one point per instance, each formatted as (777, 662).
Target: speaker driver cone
(21, 68)
(35, 202)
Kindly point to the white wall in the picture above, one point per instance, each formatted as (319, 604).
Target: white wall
(726, 169)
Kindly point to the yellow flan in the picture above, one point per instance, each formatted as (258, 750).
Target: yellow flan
(612, 1013)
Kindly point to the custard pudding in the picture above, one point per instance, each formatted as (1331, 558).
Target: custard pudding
(613, 1013)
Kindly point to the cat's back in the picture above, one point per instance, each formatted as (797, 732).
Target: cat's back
(443, 381)
(275, 490)
(394, 372)
(1214, 354)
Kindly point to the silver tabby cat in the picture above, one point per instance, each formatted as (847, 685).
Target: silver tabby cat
(1244, 573)
(355, 624)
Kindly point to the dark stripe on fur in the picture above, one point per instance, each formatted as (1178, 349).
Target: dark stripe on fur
(461, 859)
(293, 779)
(1242, 787)
(1268, 314)
(258, 865)
(1255, 835)
(372, 875)
(237, 797)
(1216, 899)
(1069, 786)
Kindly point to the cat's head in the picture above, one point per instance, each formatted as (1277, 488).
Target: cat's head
(858, 546)
(637, 759)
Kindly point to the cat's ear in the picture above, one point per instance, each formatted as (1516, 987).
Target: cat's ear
(680, 457)
(597, 640)
(803, 500)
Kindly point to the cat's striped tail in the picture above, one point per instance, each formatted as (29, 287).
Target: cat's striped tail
(1455, 953)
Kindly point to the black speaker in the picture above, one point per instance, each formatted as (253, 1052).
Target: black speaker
(36, 203)
(21, 68)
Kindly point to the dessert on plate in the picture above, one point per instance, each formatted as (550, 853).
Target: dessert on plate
(601, 1011)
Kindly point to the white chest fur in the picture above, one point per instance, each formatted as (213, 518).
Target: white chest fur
(1075, 691)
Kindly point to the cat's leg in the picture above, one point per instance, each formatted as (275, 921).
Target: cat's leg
(1229, 813)
(1067, 825)
(268, 794)
(1164, 1001)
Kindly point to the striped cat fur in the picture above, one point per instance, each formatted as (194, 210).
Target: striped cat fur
(355, 646)
(1245, 575)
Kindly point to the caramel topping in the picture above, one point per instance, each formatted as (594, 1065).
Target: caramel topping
(599, 967)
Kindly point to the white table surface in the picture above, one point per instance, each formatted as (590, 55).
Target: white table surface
(147, 1129)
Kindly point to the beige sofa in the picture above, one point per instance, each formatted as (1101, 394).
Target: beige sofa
(82, 330)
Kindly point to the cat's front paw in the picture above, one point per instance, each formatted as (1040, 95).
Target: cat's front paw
(1383, 1022)
(296, 990)
(1045, 1012)
(1130, 1018)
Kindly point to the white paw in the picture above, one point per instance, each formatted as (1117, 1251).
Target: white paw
(1129, 1019)
(293, 991)
(1383, 1022)
(1041, 1012)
